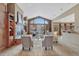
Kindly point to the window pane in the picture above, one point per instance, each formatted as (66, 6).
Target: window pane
(40, 21)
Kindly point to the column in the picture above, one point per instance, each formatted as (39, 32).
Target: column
(59, 28)
(28, 27)
(65, 26)
(70, 26)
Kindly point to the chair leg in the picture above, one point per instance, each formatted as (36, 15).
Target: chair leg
(29, 49)
(45, 48)
(22, 48)
(51, 48)
(56, 41)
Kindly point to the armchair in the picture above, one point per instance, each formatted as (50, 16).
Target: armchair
(48, 41)
(27, 43)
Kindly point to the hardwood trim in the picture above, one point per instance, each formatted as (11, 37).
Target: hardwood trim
(60, 29)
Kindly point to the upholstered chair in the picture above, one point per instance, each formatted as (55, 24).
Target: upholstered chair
(27, 42)
(48, 41)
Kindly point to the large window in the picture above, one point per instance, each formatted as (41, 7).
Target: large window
(39, 21)
(39, 25)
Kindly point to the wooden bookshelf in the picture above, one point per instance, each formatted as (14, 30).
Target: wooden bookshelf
(10, 23)
(11, 28)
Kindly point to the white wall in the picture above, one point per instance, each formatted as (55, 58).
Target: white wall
(17, 9)
(70, 18)
(77, 19)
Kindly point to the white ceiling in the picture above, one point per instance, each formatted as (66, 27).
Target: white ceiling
(47, 10)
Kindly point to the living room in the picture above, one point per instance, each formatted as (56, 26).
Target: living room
(39, 29)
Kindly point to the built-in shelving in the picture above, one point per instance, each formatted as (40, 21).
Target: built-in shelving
(13, 12)
(11, 28)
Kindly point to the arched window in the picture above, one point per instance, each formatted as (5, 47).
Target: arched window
(39, 21)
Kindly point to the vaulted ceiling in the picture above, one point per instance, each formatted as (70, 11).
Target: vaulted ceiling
(47, 10)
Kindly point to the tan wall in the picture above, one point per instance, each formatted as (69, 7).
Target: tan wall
(11, 8)
(2, 26)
